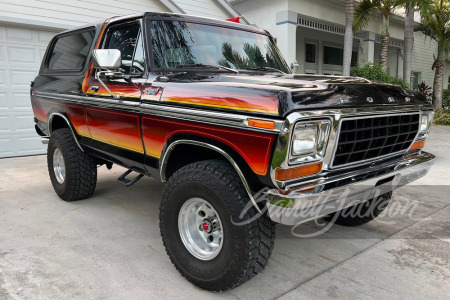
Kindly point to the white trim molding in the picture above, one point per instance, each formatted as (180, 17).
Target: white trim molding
(172, 6)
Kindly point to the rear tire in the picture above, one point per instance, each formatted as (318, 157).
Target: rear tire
(244, 249)
(73, 173)
(362, 213)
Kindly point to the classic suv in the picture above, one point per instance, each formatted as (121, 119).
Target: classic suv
(211, 108)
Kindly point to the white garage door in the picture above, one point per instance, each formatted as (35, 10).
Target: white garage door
(21, 52)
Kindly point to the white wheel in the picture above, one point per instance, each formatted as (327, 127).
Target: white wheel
(200, 228)
(59, 166)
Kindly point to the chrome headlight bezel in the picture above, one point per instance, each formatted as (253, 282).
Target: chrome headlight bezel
(322, 132)
(426, 119)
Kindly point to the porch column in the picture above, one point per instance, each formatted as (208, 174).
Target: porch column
(368, 55)
(285, 33)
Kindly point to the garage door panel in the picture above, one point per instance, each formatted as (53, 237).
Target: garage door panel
(2, 54)
(24, 123)
(20, 101)
(29, 146)
(5, 123)
(4, 103)
(21, 79)
(15, 34)
(15, 101)
(45, 37)
(21, 53)
(3, 78)
(6, 146)
(20, 145)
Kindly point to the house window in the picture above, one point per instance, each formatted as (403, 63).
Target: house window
(354, 59)
(310, 53)
(415, 80)
(333, 55)
(448, 85)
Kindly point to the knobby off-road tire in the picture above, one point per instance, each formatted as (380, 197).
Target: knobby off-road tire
(362, 213)
(80, 176)
(245, 248)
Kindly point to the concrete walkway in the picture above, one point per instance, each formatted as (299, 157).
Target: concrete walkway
(109, 246)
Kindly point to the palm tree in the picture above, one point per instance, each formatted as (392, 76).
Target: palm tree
(369, 8)
(436, 24)
(409, 42)
(348, 37)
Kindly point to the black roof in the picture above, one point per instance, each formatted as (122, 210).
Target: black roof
(174, 16)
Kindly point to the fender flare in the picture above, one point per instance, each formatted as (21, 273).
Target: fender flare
(49, 122)
(172, 146)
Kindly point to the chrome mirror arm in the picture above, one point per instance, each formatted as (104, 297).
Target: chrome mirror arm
(107, 72)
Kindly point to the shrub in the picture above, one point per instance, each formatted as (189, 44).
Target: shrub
(426, 90)
(446, 99)
(374, 72)
(442, 117)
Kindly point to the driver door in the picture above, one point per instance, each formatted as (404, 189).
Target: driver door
(114, 120)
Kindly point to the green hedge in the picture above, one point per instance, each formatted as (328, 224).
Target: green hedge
(446, 98)
(442, 117)
(374, 72)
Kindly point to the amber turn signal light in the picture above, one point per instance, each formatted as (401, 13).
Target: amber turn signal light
(417, 145)
(286, 174)
(261, 124)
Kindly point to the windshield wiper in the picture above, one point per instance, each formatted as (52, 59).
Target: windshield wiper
(265, 69)
(208, 66)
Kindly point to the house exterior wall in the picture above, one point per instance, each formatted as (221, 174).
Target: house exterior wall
(333, 11)
(210, 8)
(65, 14)
(423, 55)
(262, 12)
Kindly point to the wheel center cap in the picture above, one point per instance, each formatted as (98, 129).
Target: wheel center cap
(207, 226)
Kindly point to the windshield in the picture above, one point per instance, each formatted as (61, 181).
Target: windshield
(180, 43)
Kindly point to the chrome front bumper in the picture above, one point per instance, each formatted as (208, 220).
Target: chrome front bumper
(317, 199)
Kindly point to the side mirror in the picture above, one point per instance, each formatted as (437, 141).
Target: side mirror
(109, 59)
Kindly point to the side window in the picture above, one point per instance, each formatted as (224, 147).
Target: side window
(69, 53)
(124, 39)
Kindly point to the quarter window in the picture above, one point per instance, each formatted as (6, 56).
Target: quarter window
(70, 51)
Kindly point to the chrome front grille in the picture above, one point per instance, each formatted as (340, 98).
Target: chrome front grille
(368, 138)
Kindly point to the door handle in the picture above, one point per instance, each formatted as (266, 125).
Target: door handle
(94, 88)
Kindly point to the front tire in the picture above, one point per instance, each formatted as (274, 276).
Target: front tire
(73, 173)
(198, 205)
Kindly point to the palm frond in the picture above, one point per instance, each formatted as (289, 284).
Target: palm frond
(363, 12)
